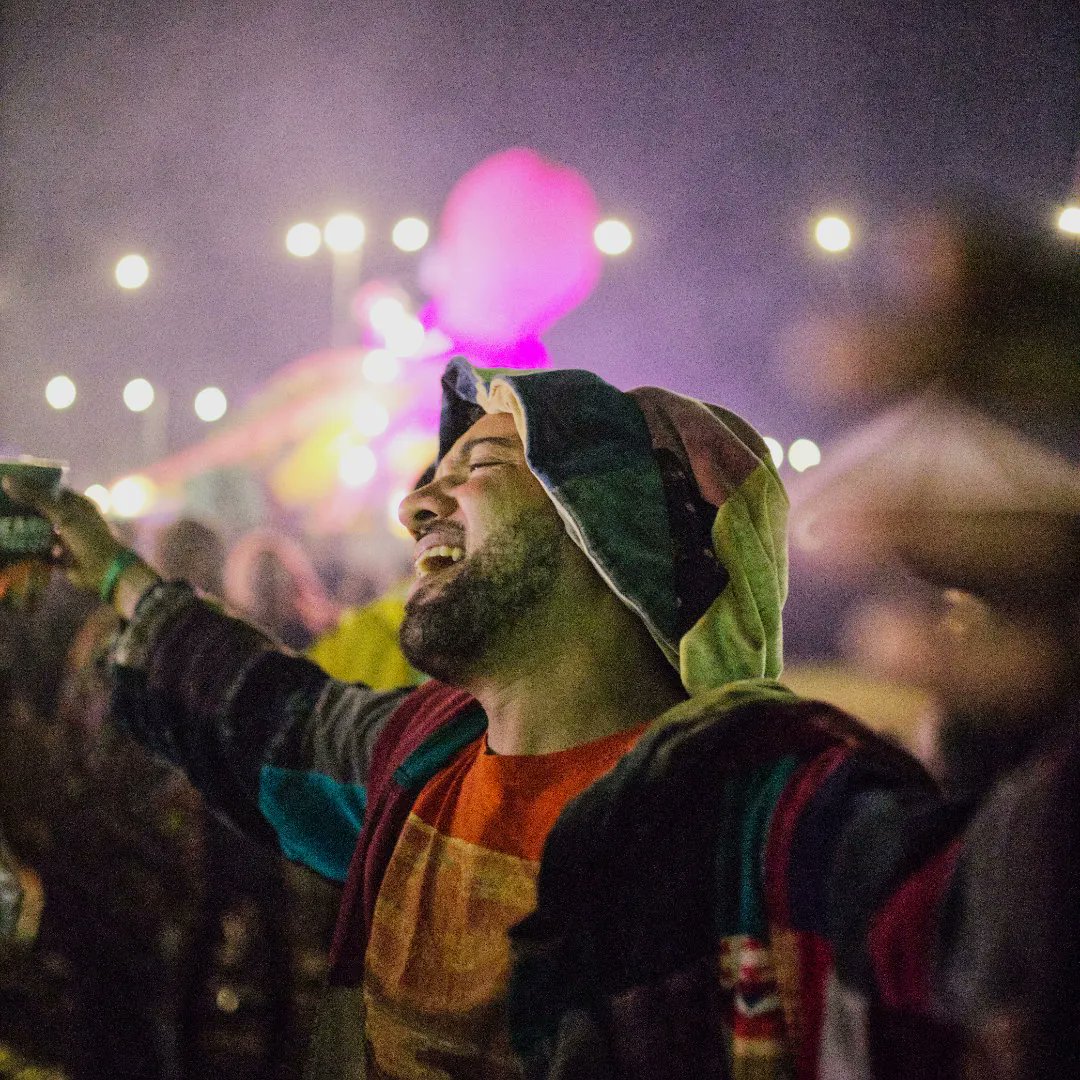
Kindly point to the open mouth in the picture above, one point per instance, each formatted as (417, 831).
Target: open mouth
(440, 557)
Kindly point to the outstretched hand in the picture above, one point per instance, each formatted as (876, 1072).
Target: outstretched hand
(88, 547)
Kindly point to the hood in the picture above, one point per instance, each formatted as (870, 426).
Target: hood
(675, 502)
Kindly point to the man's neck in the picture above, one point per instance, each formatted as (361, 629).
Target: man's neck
(564, 690)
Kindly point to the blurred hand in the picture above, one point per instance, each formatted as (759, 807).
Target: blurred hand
(88, 546)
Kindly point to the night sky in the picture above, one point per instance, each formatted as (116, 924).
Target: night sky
(197, 133)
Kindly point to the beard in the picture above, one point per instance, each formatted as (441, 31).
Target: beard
(469, 621)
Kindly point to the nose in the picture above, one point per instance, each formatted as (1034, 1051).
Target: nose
(425, 503)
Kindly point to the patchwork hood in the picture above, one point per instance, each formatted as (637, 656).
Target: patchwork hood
(675, 502)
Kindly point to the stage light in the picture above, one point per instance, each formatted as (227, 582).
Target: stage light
(356, 466)
(131, 496)
(380, 366)
(1069, 220)
(303, 240)
(132, 272)
(99, 495)
(832, 234)
(60, 392)
(210, 404)
(613, 237)
(776, 451)
(385, 313)
(393, 509)
(138, 395)
(410, 234)
(344, 234)
(803, 454)
(405, 338)
(370, 417)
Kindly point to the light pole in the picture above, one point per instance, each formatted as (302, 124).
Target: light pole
(344, 235)
(141, 397)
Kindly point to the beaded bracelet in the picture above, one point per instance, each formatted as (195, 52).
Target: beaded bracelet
(123, 560)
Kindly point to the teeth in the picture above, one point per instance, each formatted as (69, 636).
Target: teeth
(428, 561)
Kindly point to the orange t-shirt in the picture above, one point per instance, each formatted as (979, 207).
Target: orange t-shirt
(463, 872)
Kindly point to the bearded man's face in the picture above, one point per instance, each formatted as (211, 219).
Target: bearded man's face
(490, 545)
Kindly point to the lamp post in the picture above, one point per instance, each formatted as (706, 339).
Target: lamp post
(141, 397)
(344, 235)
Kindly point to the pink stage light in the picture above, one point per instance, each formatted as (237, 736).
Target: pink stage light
(514, 253)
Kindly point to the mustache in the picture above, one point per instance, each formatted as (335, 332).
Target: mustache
(452, 534)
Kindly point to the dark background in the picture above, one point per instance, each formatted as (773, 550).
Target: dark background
(197, 134)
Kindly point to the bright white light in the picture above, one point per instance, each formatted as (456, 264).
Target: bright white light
(344, 233)
(386, 313)
(410, 234)
(370, 417)
(131, 496)
(60, 392)
(99, 495)
(131, 272)
(380, 366)
(776, 451)
(138, 395)
(613, 237)
(210, 404)
(833, 234)
(303, 240)
(803, 454)
(393, 508)
(356, 466)
(1069, 220)
(406, 338)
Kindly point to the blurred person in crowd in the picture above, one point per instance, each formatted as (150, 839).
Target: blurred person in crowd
(271, 580)
(189, 549)
(239, 985)
(364, 647)
(971, 484)
(732, 879)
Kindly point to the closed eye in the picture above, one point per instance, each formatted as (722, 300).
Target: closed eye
(473, 465)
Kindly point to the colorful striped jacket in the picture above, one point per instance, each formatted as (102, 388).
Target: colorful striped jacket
(761, 889)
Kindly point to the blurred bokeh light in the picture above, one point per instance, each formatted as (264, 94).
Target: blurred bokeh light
(832, 234)
(132, 272)
(776, 451)
(303, 240)
(803, 454)
(356, 466)
(210, 404)
(613, 237)
(131, 496)
(344, 234)
(99, 495)
(60, 392)
(138, 395)
(370, 417)
(1069, 220)
(381, 366)
(410, 234)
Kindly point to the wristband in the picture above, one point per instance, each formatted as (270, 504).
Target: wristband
(123, 560)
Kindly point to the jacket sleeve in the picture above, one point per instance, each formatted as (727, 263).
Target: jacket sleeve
(275, 746)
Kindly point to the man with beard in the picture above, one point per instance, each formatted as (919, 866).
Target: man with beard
(601, 841)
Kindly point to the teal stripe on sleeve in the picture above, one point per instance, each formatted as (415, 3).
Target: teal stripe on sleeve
(766, 786)
(317, 819)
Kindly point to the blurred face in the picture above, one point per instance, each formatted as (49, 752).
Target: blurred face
(489, 547)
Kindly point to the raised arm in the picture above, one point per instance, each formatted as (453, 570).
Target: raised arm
(271, 742)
